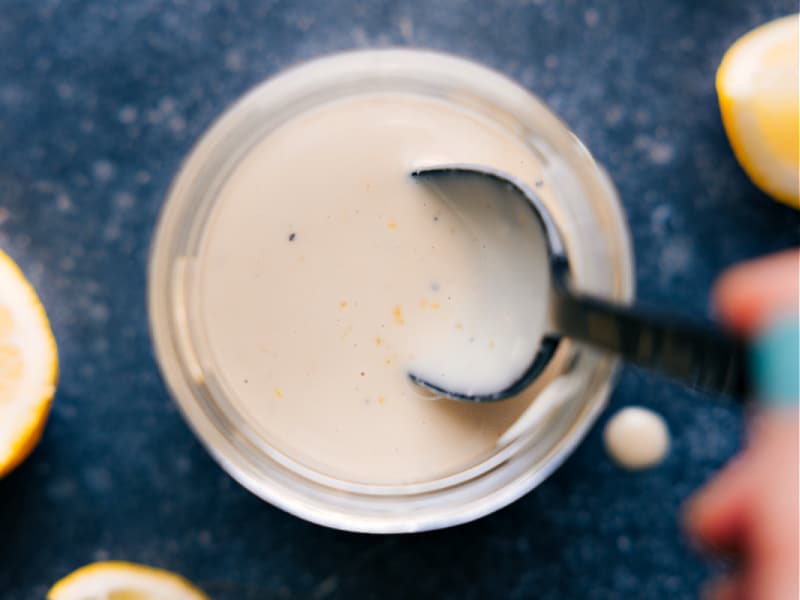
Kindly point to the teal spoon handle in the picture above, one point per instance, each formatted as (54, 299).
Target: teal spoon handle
(775, 364)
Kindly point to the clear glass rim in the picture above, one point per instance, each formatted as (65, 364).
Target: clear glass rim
(185, 375)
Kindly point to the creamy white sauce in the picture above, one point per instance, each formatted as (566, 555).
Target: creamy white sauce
(326, 273)
(505, 309)
(636, 438)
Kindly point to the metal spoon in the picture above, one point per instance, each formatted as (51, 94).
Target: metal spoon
(700, 355)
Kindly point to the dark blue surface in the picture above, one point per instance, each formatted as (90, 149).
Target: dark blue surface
(100, 100)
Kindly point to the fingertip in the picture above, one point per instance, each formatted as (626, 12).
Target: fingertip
(704, 529)
(713, 518)
(732, 302)
(749, 294)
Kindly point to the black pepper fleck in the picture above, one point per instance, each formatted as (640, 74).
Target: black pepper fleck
(539, 183)
(292, 236)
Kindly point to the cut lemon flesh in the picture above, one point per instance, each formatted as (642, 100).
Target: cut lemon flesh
(757, 86)
(28, 366)
(113, 580)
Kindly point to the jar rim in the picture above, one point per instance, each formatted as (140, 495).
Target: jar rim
(179, 225)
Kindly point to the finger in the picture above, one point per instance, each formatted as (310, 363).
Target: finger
(716, 516)
(748, 294)
(773, 575)
(773, 543)
(772, 568)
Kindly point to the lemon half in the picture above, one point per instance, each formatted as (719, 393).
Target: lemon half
(113, 580)
(28, 366)
(757, 86)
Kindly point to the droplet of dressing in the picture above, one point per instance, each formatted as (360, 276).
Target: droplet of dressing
(636, 438)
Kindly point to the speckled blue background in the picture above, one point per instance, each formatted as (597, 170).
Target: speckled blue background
(100, 100)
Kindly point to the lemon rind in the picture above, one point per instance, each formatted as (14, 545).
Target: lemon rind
(27, 437)
(74, 585)
(777, 180)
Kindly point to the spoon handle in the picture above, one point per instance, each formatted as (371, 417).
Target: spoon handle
(702, 356)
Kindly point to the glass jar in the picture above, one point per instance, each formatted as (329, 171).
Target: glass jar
(585, 207)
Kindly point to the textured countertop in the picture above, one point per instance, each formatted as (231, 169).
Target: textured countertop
(100, 100)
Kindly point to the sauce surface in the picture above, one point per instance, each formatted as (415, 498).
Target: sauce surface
(326, 272)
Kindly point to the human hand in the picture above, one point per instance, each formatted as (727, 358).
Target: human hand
(750, 510)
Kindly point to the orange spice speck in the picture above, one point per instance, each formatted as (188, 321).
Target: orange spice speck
(435, 305)
(343, 304)
(388, 361)
(423, 303)
(459, 326)
(491, 344)
(378, 341)
(392, 225)
(398, 315)
(381, 400)
(278, 393)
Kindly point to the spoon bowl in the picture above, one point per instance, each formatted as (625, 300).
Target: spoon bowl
(699, 354)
